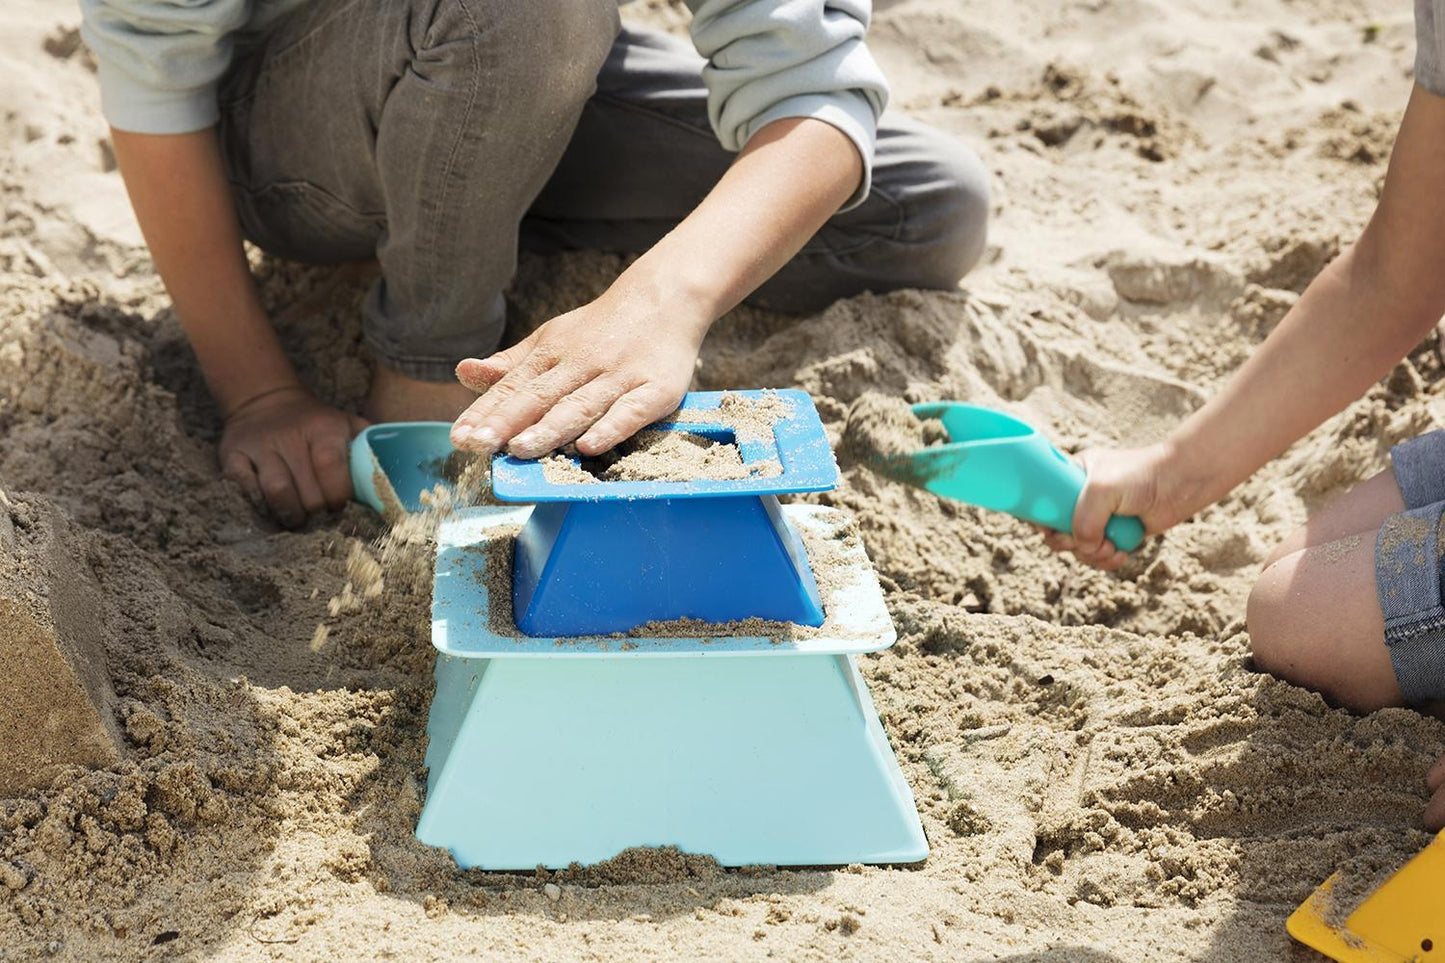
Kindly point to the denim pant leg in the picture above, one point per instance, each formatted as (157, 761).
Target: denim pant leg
(643, 156)
(417, 132)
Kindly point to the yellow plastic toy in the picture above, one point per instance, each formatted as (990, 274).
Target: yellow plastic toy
(1403, 920)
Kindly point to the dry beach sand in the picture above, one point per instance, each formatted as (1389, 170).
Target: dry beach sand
(1101, 774)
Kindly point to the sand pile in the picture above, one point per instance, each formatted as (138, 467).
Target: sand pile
(1101, 774)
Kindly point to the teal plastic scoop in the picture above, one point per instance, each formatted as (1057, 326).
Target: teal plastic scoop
(997, 462)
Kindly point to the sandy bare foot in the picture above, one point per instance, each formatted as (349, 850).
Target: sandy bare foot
(395, 397)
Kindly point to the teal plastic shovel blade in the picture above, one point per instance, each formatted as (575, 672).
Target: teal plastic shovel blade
(998, 462)
(405, 457)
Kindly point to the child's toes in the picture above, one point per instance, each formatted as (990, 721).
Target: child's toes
(1435, 779)
(1435, 812)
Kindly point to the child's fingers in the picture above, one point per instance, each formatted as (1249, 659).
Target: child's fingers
(479, 374)
(239, 469)
(328, 458)
(1113, 560)
(1091, 514)
(628, 415)
(569, 418)
(279, 490)
(1435, 779)
(303, 479)
(1435, 811)
(473, 430)
(1103, 557)
(528, 402)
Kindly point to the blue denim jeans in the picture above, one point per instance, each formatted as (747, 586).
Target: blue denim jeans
(439, 137)
(1409, 560)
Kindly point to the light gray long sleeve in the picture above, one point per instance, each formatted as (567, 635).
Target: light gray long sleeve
(160, 61)
(772, 59)
(1429, 47)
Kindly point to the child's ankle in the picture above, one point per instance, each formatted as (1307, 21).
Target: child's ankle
(396, 397)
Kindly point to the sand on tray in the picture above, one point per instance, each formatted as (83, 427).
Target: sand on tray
(653, 455)
(679, 455)
(1102, 774)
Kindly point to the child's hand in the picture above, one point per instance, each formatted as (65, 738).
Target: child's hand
(1435, 811)
(1135, 481)
(595, 376)
(288, 449)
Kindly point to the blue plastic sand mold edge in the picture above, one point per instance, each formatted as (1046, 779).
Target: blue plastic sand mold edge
(799, 444)
(462, 604)
(751, 760)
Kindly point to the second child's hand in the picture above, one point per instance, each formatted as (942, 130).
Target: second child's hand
(288, 450)
(1153, 484)
(1353, 323)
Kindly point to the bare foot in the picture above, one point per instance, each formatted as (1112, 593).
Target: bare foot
(395, 397)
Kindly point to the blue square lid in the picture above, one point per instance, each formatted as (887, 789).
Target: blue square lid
(798, 444)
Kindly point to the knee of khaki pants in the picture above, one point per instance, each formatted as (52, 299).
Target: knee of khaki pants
(546, 53)
(950, 241)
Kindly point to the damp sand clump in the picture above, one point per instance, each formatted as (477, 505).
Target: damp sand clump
(880, 426)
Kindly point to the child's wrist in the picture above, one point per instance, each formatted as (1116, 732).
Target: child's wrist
(1188, 468)
(234, 394)
(673, 296)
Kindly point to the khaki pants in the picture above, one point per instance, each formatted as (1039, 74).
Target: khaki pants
(439, 137)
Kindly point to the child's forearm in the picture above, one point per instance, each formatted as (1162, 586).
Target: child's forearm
(792, 176)
(607, 369)
(1336, 342)
(1354, 322)
(178, 189)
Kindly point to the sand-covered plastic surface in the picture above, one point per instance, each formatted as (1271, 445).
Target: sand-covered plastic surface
(706, 447)
(1101, 774)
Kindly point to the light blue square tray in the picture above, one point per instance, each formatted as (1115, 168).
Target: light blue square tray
(549, 751)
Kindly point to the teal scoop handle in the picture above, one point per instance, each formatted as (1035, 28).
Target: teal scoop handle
(998, 462)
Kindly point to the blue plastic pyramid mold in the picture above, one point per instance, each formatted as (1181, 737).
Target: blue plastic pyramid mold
(548, 751)
(548, 748)
(611, 556)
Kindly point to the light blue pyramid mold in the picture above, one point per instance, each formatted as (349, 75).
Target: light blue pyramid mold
(548, 751)
(545, 750)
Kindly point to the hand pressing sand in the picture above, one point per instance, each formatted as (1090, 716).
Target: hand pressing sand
(882, 425)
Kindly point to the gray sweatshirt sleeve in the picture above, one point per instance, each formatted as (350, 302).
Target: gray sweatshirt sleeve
(1429, 52)
(772, 59)
(159, 60)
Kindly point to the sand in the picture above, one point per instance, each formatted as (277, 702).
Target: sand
(679, 455)
(880, 426)
(1101, 773)
(653, 455)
